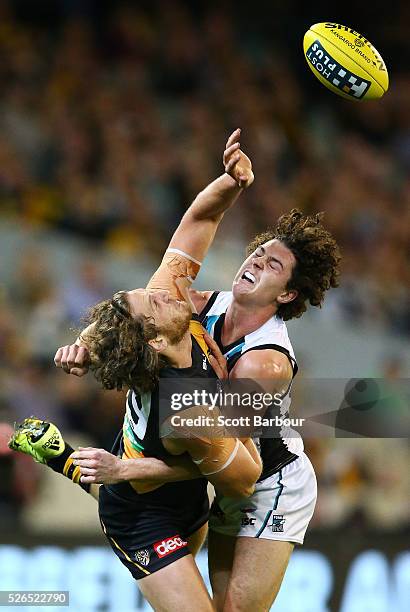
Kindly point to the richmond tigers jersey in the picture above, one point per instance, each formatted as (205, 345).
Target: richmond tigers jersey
(140, 435)
(287, 443)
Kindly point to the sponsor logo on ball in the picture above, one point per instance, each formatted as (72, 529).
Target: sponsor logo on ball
(143, 557)
(338, 76)
(337, 26)
(168, 546)
(358, 42)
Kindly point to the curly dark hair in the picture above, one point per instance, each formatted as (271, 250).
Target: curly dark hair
(317, 259)
(121, 356)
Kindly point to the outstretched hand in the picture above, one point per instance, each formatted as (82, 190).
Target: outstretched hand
(237, 164)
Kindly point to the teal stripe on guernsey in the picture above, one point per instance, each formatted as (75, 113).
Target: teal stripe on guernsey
(210, 322)
(275, 505)
(278, 494)
(236, 349)
(130, 435)
(267, 517)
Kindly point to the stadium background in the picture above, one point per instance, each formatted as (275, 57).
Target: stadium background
(113, 116)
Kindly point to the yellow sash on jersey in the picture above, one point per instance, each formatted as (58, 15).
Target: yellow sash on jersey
(175, 265)
(197, 331)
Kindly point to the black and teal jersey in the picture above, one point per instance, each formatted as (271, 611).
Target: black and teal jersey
(286, 444)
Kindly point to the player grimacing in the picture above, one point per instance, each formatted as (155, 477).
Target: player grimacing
(134, 339)
(249, 551)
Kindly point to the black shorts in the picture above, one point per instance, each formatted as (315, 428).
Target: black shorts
(146, 537)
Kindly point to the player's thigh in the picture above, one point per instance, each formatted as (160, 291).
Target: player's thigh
(197, 539)
(257, 573)
(178, 586)
(221, 550)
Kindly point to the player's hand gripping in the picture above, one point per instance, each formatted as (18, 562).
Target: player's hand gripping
(216, 359)
(237, 164)
(73, 359)
(98, 466)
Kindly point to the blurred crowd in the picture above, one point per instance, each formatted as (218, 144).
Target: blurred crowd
(109, 129)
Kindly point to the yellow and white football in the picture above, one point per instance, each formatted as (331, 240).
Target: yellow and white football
(345, 61)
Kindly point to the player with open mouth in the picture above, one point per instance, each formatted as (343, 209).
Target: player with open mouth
(135, 339)
(295, 263)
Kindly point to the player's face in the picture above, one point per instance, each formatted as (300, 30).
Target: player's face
(169, 315)
(262, 278)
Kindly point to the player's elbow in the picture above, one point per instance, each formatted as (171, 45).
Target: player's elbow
(197, 214)
(243, 486)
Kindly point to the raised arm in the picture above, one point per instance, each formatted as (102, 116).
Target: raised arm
(198, 226)
(188, 245)
(196, 231)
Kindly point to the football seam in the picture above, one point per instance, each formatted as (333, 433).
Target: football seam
(351, 58)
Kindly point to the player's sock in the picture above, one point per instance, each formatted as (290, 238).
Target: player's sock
(43, 441)
(63, 464)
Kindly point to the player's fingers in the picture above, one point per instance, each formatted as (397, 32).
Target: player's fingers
(233, 137)
(217, 356)
(228, 152)
(230, 165)
(83, 356)
(57, 357)
(247, 179)
(88, 479)
(79, 372)
(85, 463)
(73, 358)
(244, 181)
(64, 359)
(88, 471)
(83, 453)
(221, 369)
(220, 372)
(212, 345)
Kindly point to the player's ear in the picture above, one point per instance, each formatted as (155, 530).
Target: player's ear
(159, 343)
(287, 296)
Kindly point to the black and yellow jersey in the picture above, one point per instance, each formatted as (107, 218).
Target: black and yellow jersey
(140, 435)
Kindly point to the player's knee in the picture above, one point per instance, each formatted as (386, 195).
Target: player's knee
(243, 597)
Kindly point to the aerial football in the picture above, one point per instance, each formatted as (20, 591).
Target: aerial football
(345, 62)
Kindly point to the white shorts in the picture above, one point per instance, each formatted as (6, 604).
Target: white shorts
(280, 508)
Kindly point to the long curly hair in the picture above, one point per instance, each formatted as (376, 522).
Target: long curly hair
(121, 356)
(317, 259)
